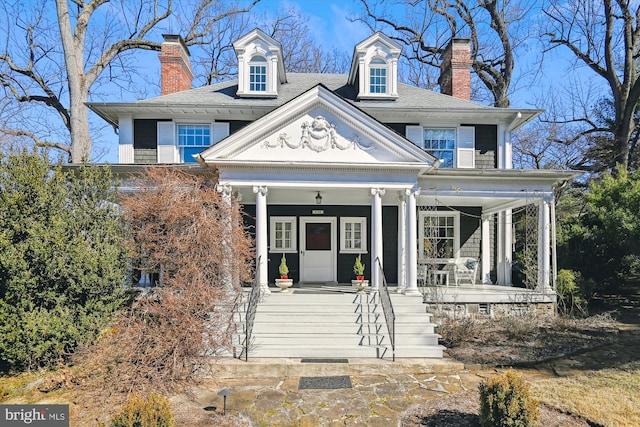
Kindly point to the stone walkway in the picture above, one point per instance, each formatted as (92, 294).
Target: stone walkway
(374, 399)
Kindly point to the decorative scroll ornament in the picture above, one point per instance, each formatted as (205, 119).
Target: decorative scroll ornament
(319, 135)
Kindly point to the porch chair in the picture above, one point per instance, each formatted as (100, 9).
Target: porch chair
(465, 269)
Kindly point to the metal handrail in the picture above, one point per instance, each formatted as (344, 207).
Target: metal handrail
(250, 314)
(387, 308)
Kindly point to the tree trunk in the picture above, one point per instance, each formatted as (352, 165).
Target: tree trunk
(73, 46)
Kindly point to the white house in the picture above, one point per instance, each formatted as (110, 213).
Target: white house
(335, 165)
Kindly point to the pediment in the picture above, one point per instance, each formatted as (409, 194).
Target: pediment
(317, 127)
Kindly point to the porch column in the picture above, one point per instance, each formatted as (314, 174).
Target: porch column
(412, 243)
(485, 250)
(261, 238)
(376, 235)
(227, 251)
(402, 242)
(505, 247)
(544, 246)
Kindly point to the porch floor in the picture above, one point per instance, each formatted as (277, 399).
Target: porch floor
(463, 294)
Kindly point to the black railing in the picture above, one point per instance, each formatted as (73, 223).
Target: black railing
(387, 308)
(250, 313)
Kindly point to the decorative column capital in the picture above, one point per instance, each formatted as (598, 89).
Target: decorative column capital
(261, 189)
(378, 191)
(402, 196)
(548, 198)
(412, 192)
(486, 217)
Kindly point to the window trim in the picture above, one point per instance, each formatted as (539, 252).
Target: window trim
(362, 220)
(456, 230)
(294, 234)
(181, 147)
(380, 64)
(264, 64)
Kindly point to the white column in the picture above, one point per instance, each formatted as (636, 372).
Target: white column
(508, 246)
(261, 237)
(544, 246)
(412, 244)
(402, 242)
(485, 250)
(376, 235)
(554, 247)
(227, 250)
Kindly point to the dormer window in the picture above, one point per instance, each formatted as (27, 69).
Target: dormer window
(260, 65)
(258, 74)
(378, 76)
(374, 68)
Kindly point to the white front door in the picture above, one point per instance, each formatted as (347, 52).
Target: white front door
(318, 249)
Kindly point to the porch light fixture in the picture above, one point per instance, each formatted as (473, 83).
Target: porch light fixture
(318, 199)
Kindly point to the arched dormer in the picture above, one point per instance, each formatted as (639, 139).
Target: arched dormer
(260, 65)
(374, 67)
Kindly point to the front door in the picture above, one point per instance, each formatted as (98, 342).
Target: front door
(318, 249)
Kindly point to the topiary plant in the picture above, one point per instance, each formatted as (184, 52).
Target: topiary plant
(358, 268)
(154, 411)
(505, 401)
(283, 269)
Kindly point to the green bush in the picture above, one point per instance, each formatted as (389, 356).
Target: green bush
(505, 402)
(154, 411)
(570, 288)
(62, 259)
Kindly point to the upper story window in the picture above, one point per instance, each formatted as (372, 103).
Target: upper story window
(441, 143)
(378, 76)
(192, 139)
(258, 74)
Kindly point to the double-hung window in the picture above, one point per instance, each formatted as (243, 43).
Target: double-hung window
(258, 74)
(439, 235)
(378, 76)
(353, 234)
(283, 234)
(441, 143)
(192, 139)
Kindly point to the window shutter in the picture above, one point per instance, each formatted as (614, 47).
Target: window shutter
(167, 152)
(466, 146)
(220, 132)
(415, 134)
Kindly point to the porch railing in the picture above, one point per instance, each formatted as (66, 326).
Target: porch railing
(250, 313)
(387, 308)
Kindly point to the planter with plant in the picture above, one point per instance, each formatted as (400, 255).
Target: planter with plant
(358, 269)
(284, 283)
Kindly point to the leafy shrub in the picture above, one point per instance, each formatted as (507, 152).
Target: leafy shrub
(154, 411)
(505, 401)
(570, 293)
(62, 259)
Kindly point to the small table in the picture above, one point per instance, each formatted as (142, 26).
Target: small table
(439, 277)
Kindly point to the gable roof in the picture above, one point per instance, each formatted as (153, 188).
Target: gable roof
(393, 149)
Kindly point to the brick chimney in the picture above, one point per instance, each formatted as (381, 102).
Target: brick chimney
(455, 70)
(176, 66)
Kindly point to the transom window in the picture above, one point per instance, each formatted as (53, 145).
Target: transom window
(192, 139)
(283, 234)
(258, 74)
(438, 235)
(441, 143)
(353, 234)
(378, 76)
